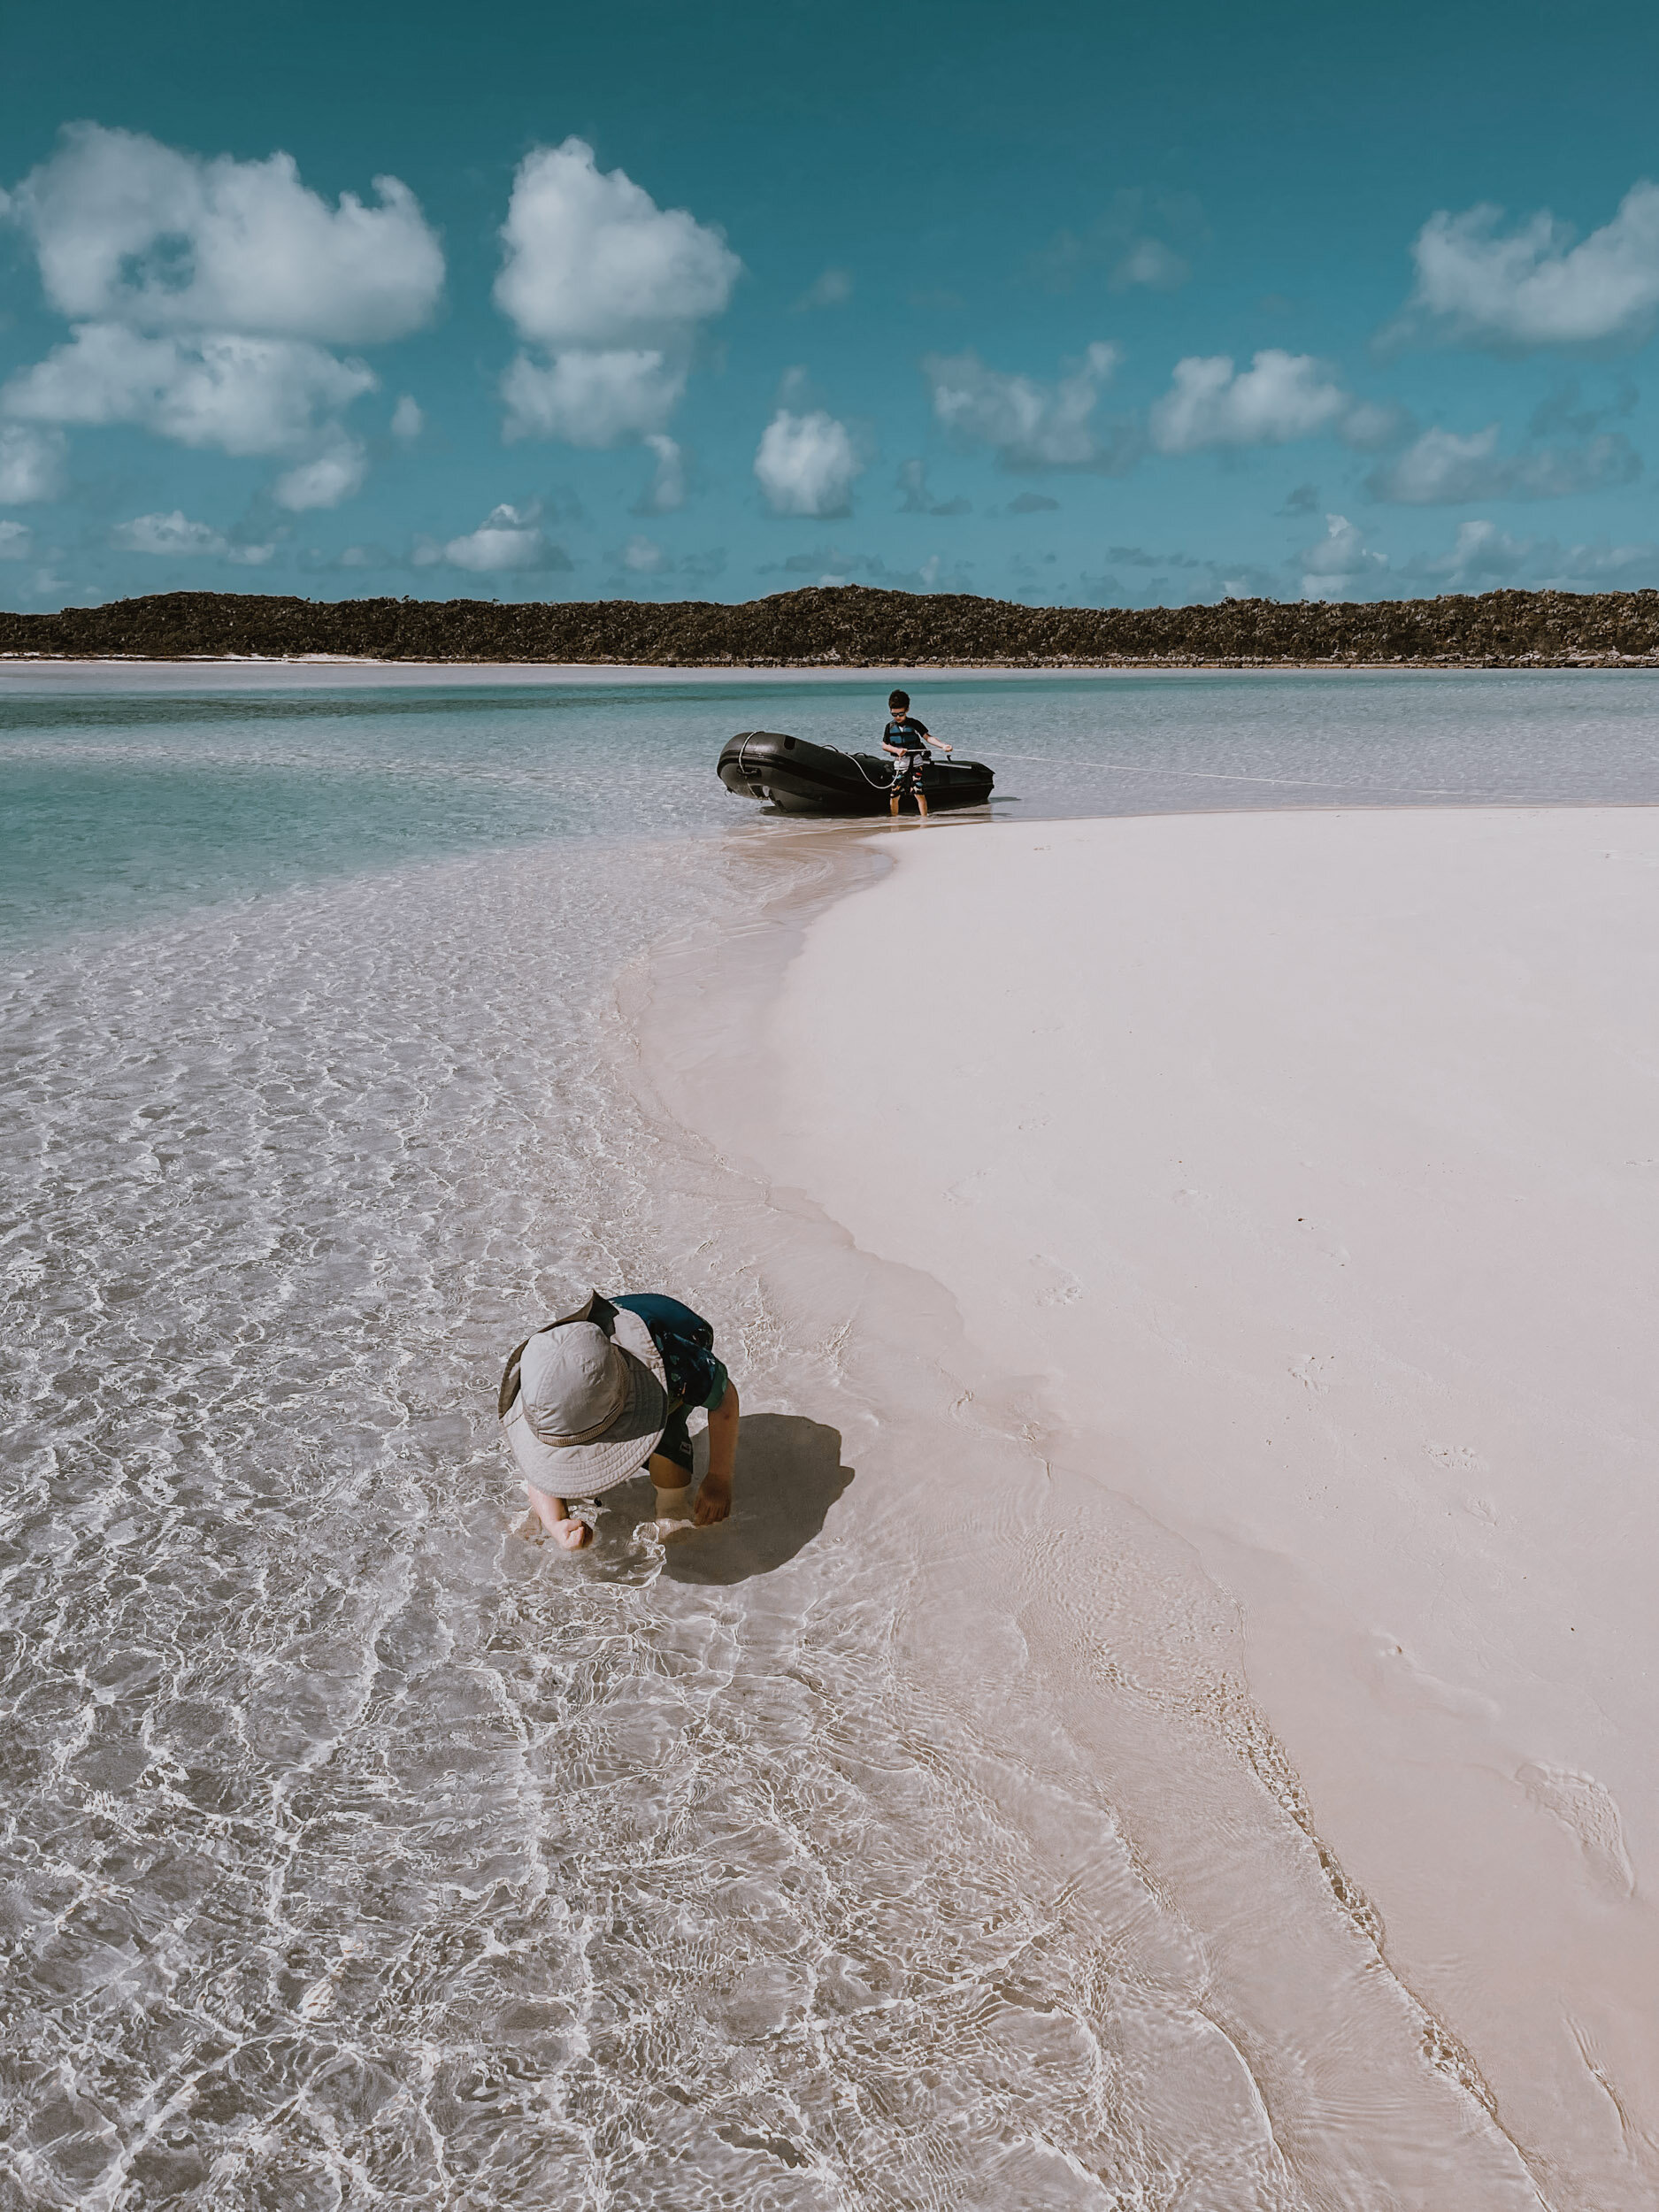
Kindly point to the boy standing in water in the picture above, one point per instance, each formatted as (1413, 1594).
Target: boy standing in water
(907, 741)
(590, 1400)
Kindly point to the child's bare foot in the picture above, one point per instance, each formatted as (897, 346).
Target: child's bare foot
(714, 1499)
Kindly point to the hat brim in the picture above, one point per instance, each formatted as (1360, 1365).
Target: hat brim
(580, 1470)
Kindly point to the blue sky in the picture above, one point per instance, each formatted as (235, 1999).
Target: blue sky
(1093, 305)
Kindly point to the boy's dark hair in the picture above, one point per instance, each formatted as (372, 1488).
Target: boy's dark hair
(898, 698)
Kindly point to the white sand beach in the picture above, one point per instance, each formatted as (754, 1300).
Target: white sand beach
(1295, 1178)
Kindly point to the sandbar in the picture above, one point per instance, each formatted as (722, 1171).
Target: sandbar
(1302, 1172)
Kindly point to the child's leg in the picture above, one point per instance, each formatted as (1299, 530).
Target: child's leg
(669, 1479)
(669, 1469)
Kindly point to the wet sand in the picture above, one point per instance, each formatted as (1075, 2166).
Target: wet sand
(1249, 1221)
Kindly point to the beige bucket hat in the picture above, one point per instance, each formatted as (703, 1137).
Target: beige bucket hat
(584, 1400)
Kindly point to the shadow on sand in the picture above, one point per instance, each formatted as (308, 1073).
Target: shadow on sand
(789, 1473)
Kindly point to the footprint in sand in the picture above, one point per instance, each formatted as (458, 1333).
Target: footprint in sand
(1456, 1459)
(1588, 1811)
(1314, 1371)
(1058, 1286)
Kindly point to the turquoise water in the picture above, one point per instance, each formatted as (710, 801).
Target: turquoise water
(115, 808)
(116, 805)
(355, 1856)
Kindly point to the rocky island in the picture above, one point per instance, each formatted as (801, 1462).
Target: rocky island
(849, 625)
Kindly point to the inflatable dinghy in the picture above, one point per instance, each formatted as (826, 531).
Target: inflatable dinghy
(800, 778)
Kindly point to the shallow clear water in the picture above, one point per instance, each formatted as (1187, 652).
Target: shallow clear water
(114, 803)
(355, 1852)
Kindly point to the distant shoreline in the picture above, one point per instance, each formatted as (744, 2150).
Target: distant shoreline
(762, 672)
(846, 629)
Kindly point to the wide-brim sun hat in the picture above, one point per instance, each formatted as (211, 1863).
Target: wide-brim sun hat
(584, 1402)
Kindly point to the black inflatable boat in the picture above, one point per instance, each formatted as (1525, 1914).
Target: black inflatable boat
(802, 777)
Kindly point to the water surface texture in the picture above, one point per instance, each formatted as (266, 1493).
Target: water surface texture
(356, 1853)
(115, 802)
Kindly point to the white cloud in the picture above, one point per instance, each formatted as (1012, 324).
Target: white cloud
(592, 399)
(507, 541)
(1482, 551)
(1339, 561)
(1029, 425)
(408, 422)
(1606, 567)
(172, 534)
(665, 493)
(31, 463)
(1442, 468)
(129, 231)
(205, 294)
(1278, 397)
(1483, 557)
(1370, 424)
(643, 556)
(324, 480)
(833, 288)
(608, 286)
(592, 261)
(175, 535)
(1150, 262)
(17, 540)
(806, 464)
(244, 396)
(1532, 287)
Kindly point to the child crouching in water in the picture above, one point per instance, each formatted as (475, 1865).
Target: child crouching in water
(592, 1399)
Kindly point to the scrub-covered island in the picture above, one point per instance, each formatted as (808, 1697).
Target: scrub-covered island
(850, 626)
